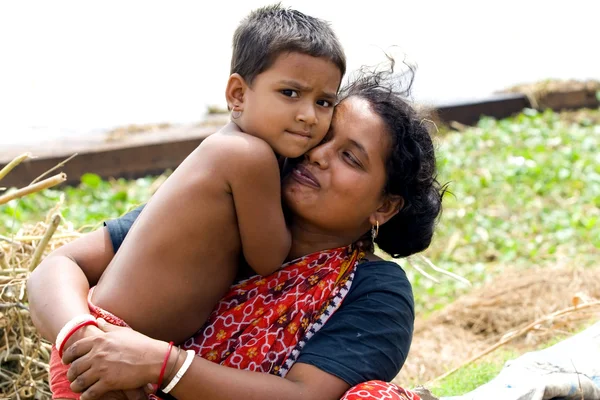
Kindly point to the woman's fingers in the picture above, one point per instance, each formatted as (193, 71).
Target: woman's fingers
(106, 327)
(78, 349)
(78, 367)
(136, 394)
(149, 389)
(118, 395)
(118, 359)
(96, 391)
(83, 381)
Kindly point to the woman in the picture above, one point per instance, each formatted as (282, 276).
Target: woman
(373, 178)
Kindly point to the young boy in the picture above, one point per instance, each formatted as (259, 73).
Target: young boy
(223, 201)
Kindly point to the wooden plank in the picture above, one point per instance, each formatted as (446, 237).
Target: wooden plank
(147, 154)
(469, 112)
(131, 161)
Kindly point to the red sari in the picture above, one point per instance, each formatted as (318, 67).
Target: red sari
(263, 323)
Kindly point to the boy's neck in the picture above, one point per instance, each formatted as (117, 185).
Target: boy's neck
(231, 127)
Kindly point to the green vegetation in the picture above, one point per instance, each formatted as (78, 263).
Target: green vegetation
(524, 191)
(85, 206)
(470, 377)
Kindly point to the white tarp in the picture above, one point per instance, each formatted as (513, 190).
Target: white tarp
(564, 371)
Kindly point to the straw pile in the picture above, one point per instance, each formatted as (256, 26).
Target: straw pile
(560, 94)
(24, 355)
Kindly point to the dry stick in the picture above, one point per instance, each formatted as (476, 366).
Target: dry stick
(9, 240)
(38, 237)
(39, 250)
(420, 270)
(45, 184)
(521, 332)
(57, 166)
(11, 165)
(445, 272)
(3, 263)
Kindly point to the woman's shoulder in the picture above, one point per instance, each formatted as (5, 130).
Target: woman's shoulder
(377, 275)
(374, 322)
(382, 284)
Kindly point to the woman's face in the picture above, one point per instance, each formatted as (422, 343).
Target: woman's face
(338, 186)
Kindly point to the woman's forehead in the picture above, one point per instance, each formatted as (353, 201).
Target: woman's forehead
(355, 119)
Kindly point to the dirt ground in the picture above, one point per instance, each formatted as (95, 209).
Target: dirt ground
(483, 317)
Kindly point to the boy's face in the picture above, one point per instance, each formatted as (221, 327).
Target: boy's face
(290, 105)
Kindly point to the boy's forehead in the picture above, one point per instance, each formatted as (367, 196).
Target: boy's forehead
(305, 70)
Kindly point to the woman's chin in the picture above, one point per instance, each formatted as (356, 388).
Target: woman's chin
(297, 198)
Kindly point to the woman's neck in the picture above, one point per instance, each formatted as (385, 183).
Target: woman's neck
(307, 239)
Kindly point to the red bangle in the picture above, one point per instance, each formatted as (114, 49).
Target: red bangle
(161, 376)
(72, 332)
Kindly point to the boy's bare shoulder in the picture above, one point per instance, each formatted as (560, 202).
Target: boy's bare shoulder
(238, 149)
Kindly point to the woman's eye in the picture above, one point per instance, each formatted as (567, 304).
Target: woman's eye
(289, 93)
(351, 159)
(324, 103)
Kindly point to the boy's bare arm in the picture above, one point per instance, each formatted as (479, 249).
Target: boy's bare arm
(253, 175)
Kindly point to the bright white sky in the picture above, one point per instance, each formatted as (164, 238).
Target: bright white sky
(74, 66)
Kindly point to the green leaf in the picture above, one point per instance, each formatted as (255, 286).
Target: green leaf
(91, 180)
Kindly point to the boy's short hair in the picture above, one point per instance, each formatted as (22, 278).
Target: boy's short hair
(270, 31)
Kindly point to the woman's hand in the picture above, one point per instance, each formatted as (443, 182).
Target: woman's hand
(121, 359)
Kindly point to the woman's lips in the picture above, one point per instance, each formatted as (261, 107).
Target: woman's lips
(304, 176)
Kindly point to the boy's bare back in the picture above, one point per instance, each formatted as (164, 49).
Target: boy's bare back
(182, 253)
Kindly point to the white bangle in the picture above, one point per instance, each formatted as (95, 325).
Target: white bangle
(70, 325)
(186, 364)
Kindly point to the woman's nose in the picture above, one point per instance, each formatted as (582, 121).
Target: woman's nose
(319, 155)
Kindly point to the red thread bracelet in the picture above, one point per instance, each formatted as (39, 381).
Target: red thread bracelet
(161, 376)
(72, 332)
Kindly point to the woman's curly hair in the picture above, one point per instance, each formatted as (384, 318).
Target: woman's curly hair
(411, 164)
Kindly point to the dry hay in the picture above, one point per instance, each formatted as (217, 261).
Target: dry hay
(557, 94)
(477, 320)
(134, 129)
(24, 356)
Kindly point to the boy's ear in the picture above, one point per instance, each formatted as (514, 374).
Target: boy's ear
(234, 92)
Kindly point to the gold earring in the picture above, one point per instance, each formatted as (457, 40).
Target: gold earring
(375, 231)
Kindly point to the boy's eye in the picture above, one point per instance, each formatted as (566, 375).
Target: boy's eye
(289, 93)
(324, 103)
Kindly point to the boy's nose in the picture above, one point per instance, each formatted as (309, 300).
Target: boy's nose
(307, 115)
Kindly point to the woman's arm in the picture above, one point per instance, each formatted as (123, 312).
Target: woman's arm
(123, 359)
(59, 286)
(207, 380)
